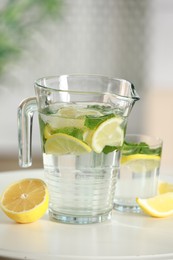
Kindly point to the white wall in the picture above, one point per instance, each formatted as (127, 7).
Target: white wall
(160, 63)
(158, 99)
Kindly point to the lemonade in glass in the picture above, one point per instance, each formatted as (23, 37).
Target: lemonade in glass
(139, 171)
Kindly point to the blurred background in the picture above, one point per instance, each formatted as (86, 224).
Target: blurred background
(128, 39)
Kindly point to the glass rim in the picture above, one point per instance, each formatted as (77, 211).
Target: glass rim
(122, 81)
(145, 136)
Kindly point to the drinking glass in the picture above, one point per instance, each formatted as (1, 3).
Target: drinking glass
(139, 171)
(82, 120)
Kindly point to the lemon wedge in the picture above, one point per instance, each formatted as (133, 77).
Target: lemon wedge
(108, 133)
(164, 187)
(141, 162)
(25, 201)
(158, 206)
(65, 144)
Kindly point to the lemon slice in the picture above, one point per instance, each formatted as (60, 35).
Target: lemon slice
(88, 112)
(65, 144)
(25, 201)
(77, 111)
(87, 136)
(68, 111)
(164, 187)
(108, 133)
(56, 122)
(158, 206)
(141, 162)
(70, 116)
(47, 131)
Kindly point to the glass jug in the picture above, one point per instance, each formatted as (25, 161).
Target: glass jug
(82, 121)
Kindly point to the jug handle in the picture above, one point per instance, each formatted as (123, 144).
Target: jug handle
(26, 111)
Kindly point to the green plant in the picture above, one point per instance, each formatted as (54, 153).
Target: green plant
(17, 18)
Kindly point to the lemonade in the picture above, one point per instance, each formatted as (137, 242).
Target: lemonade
(139, 172)
(81, 148)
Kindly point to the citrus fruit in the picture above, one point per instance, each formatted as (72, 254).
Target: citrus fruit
(158, 206)
(164, 187)
(47, 131)
(68, 111)
(70, 116)
(109, 133)
(141, 162)
(55, 121)
(77, 112)
(25, 201)
(87, 136)
(65, 144)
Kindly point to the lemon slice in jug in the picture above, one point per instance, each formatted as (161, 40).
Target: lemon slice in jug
(108, 133)
(61, 144)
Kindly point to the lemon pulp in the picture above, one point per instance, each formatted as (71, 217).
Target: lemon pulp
(25, 201)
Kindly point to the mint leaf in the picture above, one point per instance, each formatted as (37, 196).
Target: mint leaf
(141, 148)
(92, 121)
(108, 149)
(73, 131)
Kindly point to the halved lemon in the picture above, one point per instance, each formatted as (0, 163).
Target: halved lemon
(164, 187)
(158, 206)
(65, 144)
(25, 201)
(108, 133)
(141, 162)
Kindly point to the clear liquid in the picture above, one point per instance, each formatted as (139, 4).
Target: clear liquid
(81, 186)
(131, 185)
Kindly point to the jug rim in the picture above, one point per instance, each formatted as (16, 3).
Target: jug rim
(134, 94)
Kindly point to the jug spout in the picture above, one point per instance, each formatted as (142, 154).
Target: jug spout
(134, 93)
(127, 90)
(123, 96)
(133, 96)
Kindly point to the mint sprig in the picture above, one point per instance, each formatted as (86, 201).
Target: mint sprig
(92, 122)
(73, 131)
(140, 148)
(108, 149)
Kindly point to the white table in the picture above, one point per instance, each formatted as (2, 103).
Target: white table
(126, 236)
